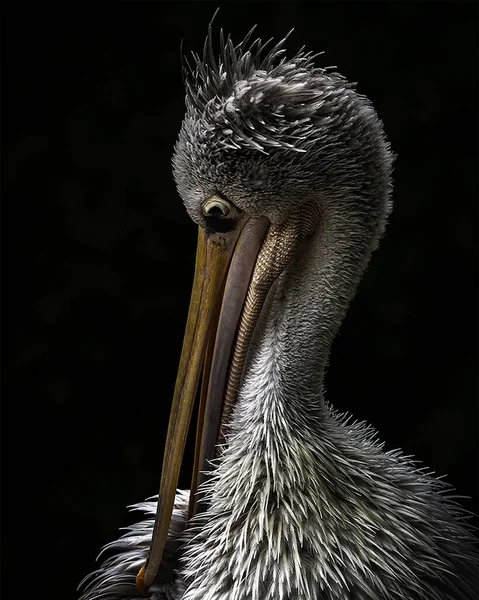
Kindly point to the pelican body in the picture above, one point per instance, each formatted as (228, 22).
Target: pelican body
(286, 170)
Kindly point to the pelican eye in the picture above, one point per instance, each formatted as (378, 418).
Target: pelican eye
(216, 208)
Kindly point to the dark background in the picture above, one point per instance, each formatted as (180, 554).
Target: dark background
(98, 254)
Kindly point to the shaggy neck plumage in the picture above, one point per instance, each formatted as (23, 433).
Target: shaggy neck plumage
(305, 309)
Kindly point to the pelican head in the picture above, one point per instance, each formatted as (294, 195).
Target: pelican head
(273, 136)
(286, 170)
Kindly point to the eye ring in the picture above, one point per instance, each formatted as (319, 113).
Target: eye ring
(216, 208)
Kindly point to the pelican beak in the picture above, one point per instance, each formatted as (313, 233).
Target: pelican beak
(224, 264)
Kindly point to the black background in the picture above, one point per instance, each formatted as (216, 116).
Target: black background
(98, 254)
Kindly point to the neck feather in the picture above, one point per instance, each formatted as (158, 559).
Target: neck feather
(303, 313)
(302, 499)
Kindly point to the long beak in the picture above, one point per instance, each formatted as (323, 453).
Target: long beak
(224, 263)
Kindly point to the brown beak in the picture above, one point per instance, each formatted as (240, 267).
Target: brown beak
(224, 264)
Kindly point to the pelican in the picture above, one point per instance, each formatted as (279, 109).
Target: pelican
(286, 170)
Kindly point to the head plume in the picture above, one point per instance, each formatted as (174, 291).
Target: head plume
(255, 100)
(270, 133)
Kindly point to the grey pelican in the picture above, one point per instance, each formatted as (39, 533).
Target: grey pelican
(286, 170)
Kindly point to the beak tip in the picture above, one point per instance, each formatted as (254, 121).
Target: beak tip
(140, 581)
